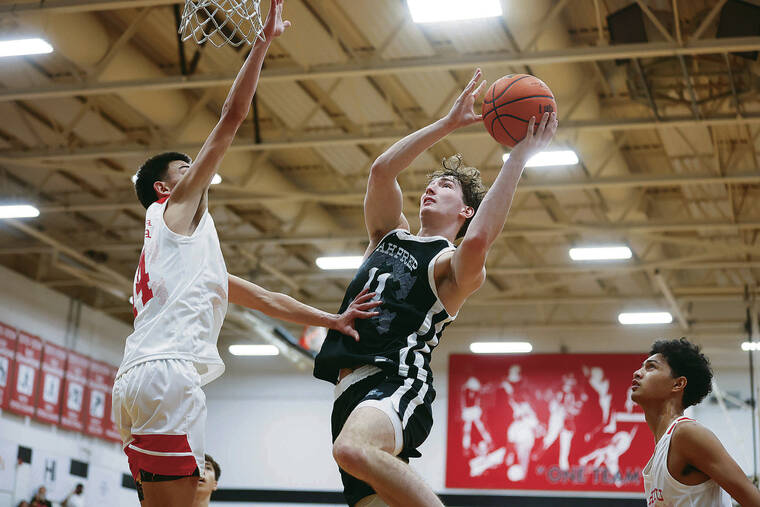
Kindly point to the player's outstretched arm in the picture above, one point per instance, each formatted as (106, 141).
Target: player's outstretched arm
(187, 195)
(383, 201)
(284, 307)
(703, 451)
(469, 259)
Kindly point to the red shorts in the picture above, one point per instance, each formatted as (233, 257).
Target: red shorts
(160, 410)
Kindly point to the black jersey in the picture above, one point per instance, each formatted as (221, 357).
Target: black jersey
(412, 318)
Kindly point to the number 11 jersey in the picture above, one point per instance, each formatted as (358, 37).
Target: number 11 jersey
(412, 318)
(179, 296)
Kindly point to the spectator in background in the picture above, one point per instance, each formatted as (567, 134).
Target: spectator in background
(75, 498)
(23, 503)
(40, 499)
(208, 482)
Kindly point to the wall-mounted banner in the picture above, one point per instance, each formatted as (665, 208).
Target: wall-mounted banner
(560, 422)
(51, 383)
(25, 379)
(7, 351)
(99, 385)
(74, 383)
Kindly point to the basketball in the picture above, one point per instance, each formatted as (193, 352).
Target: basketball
(510, 102)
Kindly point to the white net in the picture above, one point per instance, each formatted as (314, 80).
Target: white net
(222, 22)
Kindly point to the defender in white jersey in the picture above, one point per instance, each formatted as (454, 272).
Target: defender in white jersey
(180, 296)
(689, 467)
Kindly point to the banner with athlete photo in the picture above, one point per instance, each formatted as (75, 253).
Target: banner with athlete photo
(111, 429)
(48, 406)
(25, 378)
(7, 351)
(74, 382)
(562, 422)
(99, 385)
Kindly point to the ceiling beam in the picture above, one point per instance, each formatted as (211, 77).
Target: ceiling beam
(537, 230)
(377, 67)
(120, 150)
(675, 264)
(69, 6)
(650, 181)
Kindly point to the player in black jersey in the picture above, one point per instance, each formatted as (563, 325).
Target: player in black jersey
(384, 391)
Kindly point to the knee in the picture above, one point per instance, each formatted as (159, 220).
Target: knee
(350, 456)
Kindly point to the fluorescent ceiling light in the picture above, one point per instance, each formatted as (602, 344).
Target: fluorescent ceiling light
(20, 47)
(600, 253)
(637, 318)
(750, 346)
(214, 181)
(19, 211)
(253, 350)
(549, 158)
(341, 262)
(500, 347)
(435, 11)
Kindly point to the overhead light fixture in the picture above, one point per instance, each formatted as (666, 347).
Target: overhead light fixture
(500, 347)
(639, 318)
(751, 346)
(340, 262)
(214, 181)
(549, 158)
(19, 211)
(436, 11)
(253, 350)
(19, 47)
(600, 253)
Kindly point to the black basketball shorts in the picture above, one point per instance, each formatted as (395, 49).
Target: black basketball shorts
(406, 402)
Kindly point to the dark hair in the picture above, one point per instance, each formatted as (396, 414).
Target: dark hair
(686, 360)
(215, 466)
(469, 179)
(153, 170)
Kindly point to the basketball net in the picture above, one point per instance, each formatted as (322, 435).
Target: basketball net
(222, 22)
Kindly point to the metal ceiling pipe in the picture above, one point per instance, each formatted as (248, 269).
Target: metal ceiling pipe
(83, 39)
(568, 82)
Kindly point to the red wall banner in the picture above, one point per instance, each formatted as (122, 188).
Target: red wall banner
(7, 351)
(23, 386)
(74, 383)
(112, 431)
(99, 385)
(561, 422)
(48, 406)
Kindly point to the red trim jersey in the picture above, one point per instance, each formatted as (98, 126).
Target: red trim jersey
(663, 490)
(179, 296)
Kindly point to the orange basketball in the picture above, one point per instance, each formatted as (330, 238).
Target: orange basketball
(510, 102)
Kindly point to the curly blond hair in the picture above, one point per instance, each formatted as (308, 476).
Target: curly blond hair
(473, 189)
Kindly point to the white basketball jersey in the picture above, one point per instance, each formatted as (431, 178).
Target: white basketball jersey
(662, 490)
(179, 296)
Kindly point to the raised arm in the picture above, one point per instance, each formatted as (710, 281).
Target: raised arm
(188, 194)
(469, 260)
(704, 452)
(383, 201)
(283, 307)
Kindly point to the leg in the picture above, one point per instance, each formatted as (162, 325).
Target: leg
(565, 438)
(177, 493)
(371, 501)
(363, 449)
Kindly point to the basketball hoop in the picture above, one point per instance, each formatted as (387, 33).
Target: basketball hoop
(222, 22)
